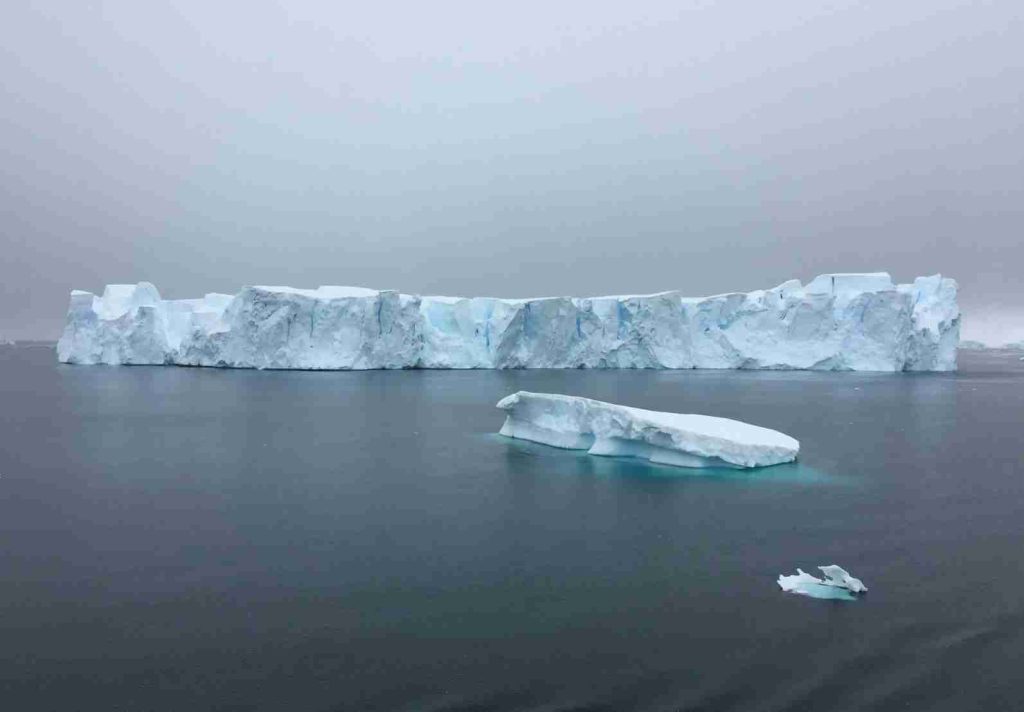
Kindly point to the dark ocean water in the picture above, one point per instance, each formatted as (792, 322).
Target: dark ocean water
(193, 539)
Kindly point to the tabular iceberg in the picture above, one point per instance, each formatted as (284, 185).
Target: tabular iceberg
(680, 439)
(859, 322)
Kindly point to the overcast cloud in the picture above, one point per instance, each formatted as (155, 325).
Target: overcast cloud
(509, 149)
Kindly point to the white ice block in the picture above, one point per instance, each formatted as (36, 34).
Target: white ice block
(684, 440)
(859, 322)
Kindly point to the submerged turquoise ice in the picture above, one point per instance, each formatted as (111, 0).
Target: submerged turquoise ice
(581, 463)
(820, 590)
(838, 584)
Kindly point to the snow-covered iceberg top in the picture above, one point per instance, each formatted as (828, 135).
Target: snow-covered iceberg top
(858, 322)
(681, 439)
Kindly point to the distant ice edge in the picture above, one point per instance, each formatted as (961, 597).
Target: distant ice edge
(859, 322)
(679, 439)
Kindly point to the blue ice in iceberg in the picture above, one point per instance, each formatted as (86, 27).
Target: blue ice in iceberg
(837, 322)
(680, 439)
(838, 584)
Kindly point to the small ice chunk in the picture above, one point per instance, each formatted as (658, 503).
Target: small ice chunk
(837, 584)
(838, 576)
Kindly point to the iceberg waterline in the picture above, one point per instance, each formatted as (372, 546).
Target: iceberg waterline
(680, 439)
(860, 322)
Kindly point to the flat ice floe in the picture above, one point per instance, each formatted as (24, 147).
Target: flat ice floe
(683, 440)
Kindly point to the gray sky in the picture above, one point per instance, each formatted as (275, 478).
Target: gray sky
(509, 149)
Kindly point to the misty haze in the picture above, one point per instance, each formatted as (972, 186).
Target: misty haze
(520, 151)
(468, 356)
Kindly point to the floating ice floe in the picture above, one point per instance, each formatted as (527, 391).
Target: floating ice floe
(683, 440)
(837, 584)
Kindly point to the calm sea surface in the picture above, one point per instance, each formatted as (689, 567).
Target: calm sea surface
(198, 539)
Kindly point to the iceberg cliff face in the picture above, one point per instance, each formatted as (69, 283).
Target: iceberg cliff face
(859, 322)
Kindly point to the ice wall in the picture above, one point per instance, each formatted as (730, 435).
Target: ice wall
(857, 322)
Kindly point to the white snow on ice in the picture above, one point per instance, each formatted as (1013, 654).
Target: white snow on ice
(684, 440)
(837, 584)
(860, 322)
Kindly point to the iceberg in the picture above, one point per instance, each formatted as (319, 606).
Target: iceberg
(837, 584)
(860, 322)
(683, 440)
